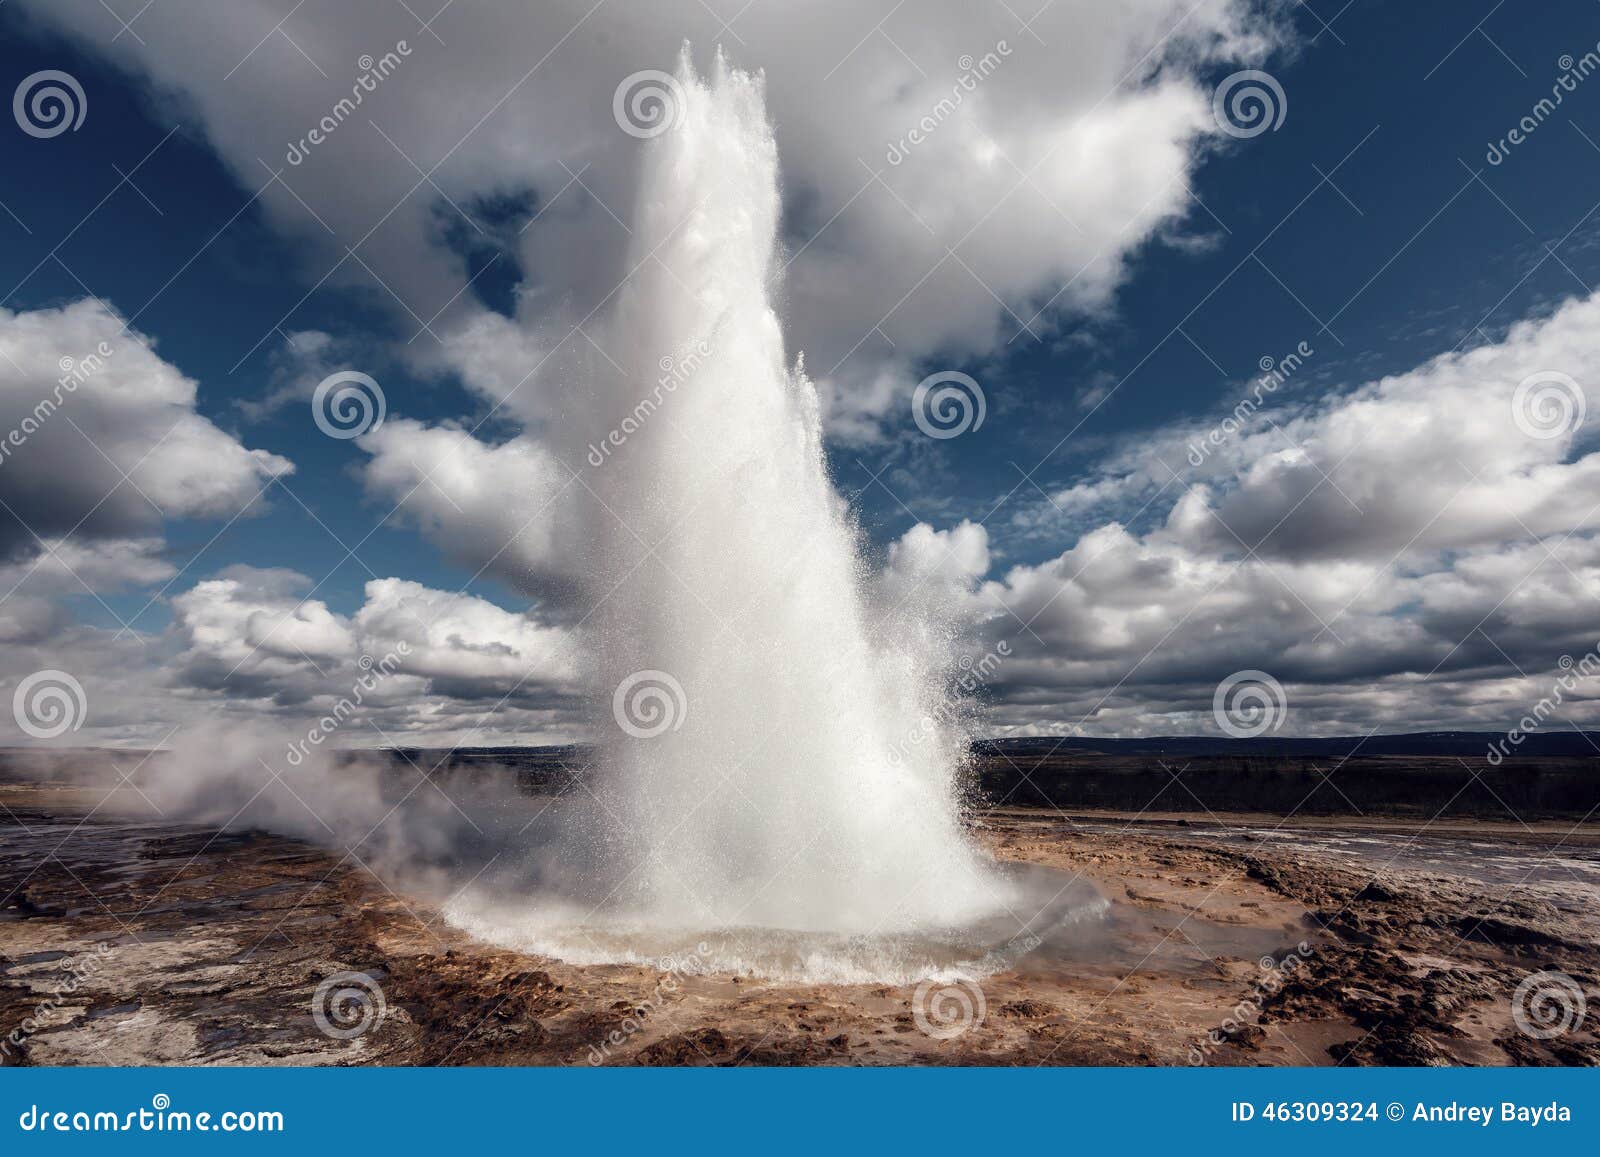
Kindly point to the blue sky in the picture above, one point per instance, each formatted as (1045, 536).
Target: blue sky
(1369, 226)
(1400, 253)
(216, 316)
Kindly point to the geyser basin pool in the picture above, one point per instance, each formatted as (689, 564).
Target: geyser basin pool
(1055, 917)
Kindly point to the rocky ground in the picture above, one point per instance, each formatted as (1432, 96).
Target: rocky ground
(130, 942)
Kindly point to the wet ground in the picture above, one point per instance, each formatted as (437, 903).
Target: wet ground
(1169, 941)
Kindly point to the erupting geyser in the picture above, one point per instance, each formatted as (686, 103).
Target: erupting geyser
(771, 766)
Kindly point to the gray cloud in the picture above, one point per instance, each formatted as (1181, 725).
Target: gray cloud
(99, 437)
(1413, 551)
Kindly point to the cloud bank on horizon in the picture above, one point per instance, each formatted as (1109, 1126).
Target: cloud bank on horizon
(1403, 552)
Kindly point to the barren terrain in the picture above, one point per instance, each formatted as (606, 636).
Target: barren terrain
(1236, 940)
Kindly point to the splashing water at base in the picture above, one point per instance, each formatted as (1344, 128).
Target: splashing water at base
(1055, 916)
(756, 777)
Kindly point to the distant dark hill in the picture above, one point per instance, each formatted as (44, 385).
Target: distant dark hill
(1467, 744)
(1470, 745)
(1435, 773)
(1552, 775)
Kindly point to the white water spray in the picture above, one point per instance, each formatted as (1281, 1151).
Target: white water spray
(768, 764)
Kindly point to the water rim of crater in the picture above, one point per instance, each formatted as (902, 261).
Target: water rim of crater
(1054, 907)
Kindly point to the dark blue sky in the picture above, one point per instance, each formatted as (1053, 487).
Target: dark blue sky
(213, 315)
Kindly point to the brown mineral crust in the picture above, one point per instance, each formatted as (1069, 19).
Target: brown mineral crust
(208, 947)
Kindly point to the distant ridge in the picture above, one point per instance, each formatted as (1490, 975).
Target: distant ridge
(1471, 744)
(1435, 743)
(1468, 744)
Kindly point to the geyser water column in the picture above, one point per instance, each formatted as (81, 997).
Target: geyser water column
(767, 761)
(761, 751)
